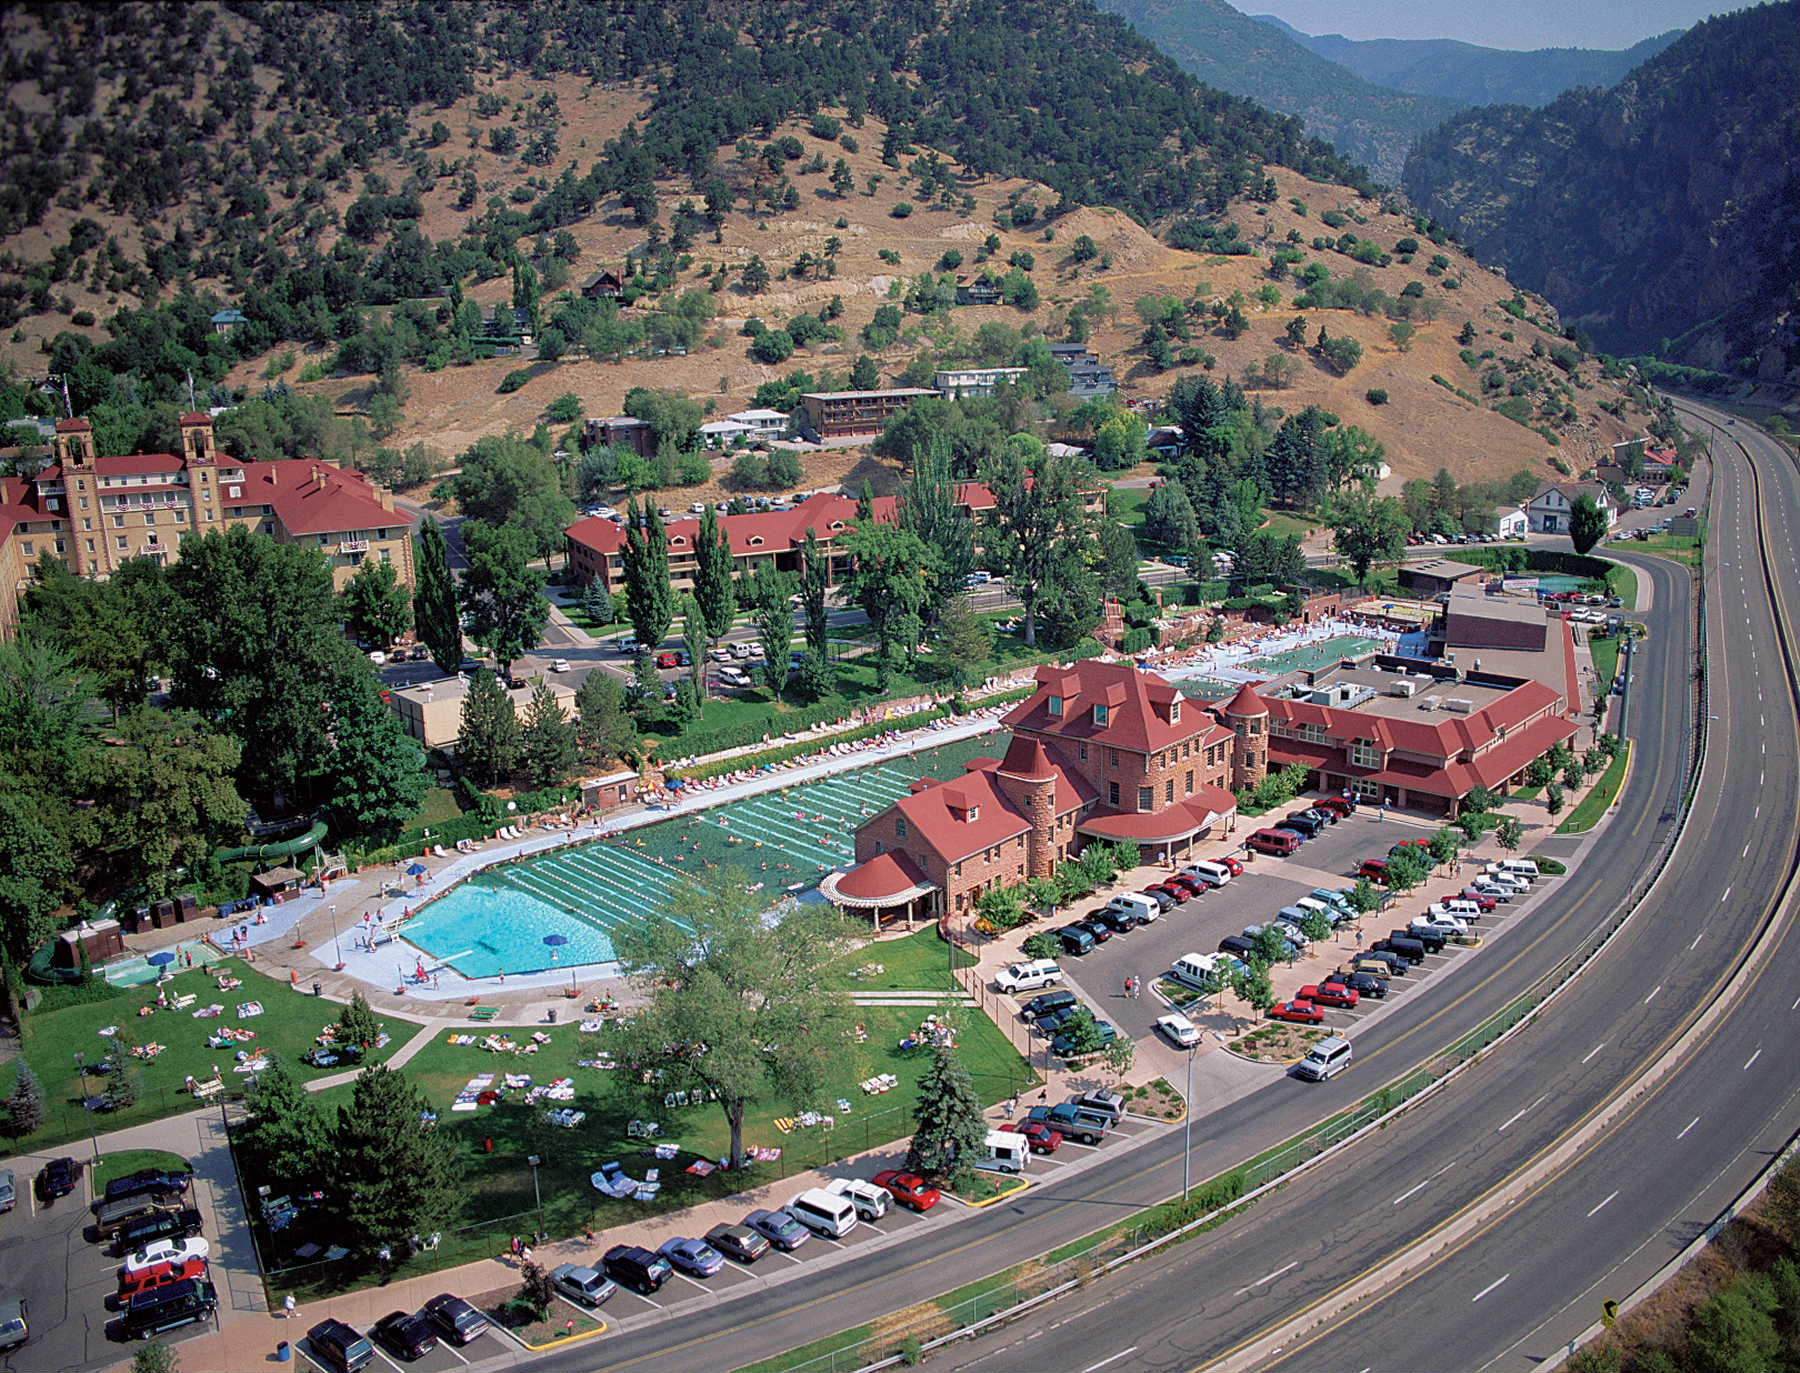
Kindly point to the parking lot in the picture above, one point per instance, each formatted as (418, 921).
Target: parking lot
(1266, 885)
(446, 1358)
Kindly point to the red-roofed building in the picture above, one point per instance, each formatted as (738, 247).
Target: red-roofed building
(95, 513)
(1099, 751)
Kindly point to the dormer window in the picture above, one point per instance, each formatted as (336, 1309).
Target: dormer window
(756, 541)
(1056, 705)
(1102, 714)
(972, 813)
(1175, 711)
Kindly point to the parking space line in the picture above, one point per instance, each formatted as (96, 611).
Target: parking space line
(382, 1354)
(460, 1356)
(677, 1273)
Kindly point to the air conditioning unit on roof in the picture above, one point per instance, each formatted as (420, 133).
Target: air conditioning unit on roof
(1403, 686)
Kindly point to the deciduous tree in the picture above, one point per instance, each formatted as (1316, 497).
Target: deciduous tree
(771, 593)
(503, 591)
(376, 608)
(1369, 530)
(715, 591)
(373, 771)
(1587, 523)
(1037, 511)
(741, 1010)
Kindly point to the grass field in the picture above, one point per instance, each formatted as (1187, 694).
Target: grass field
(1600, 797)
(1605, 652)
(497, 1188)
(1681, 548)
(288, 1026)
(918, 963)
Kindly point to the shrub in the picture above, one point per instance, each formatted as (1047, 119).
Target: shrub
(902, 208)
(513, 381)
(1375, 396)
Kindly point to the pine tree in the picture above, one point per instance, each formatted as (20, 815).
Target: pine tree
(951, 1130)
(928, 507)
(488, 746)
(357, 1023)
(374, 772)
(25, 1106)
(815, 584)
(649, 598)
(597, 601)
(435, 613)
(963, 640)
(547, 748)
(405, 1177)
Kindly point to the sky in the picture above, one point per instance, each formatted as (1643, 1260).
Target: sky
(1494, 23)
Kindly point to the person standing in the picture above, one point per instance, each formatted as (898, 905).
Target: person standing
(290, 1308)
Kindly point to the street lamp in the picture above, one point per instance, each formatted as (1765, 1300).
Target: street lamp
(537, 1194)
(1187, 1127)
(81, 1067)
(336, 953)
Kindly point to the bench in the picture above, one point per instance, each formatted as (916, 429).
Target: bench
(211, 1088)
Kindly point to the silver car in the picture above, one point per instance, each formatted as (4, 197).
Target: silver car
(588, 1286)
(9, 1192)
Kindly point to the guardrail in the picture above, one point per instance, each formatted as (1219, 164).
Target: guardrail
(1016, 1292)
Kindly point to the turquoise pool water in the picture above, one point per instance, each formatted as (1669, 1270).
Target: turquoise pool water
(1558, 581)
(1315, 656)
(783, 841)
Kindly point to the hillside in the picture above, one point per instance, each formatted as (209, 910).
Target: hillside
(1658, 215)
(1369, 121)
(1470, 74)
(374, 289)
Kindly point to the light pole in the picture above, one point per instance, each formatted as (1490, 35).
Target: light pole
(81, 1067)
(538, 1195)
(1187, 1127)
(337, 954)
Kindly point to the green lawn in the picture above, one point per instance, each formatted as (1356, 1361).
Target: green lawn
(439, 807)
(497, 1191)
(131, 1160)
(1681, 548)
(1605, 652)
(1594, 805)
(288, 1026)
(919, 962)
(1286, 522)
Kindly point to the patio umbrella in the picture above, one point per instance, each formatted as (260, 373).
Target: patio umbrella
(556, 941)
(416, 870)
(161, 959)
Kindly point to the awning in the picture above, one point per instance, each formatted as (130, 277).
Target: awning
(1171, 825)
(888, 879)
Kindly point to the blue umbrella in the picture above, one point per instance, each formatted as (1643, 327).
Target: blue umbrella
(555, 941)
(416, 870)
(161, 960)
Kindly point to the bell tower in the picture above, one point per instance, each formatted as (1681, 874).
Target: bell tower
(1248, 715)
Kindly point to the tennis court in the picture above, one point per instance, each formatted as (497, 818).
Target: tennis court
(1312, 657)
(783, 840)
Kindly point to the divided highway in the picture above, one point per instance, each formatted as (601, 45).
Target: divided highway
(1521, 1287)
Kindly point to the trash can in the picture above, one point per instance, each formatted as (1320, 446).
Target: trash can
(318, 989)
(487, 1145)
(284, 1352)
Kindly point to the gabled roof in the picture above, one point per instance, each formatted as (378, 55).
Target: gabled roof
(1442, 736)
(962, 816)
(317, 498)
(1139, 706)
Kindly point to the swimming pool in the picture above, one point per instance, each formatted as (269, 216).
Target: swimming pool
(1315, 656)
(1558, 581)
(784, 840)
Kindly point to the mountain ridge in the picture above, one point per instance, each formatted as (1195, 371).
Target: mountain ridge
(1470, 73)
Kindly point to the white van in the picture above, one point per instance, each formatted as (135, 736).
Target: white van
(1313, 906)
(1145, 908)
(1197, 970)
(1331, 1055)
(1459, 906)
(1216, 873)
(1007, 1152)
(1520, 867)
(831, 1215)
(1029, 976)
(871, 1202)
(1494, 872)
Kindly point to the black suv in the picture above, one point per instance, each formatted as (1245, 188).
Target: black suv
(1120, 922)
(58, 1178)
(460, 1321)
(642, 1270)
(146, 1182)
(1363, 984)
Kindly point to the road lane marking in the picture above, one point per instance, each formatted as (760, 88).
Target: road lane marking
(1601, 1207)
(1652, 996)
(1596, 1049)
(1113, 1358)
(1753, 1057)
(1267, 1278)
(1685, 1128)
(1515, 1116)
(1489, 1288)
(1722, 898)
(1410, 1190)
(1746, 852)
(1697, 939)
(1796, 1005)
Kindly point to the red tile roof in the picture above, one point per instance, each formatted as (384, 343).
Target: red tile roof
(1139, 707)
(73, 427)
(317, 498)
(1246, 703)
(1487, 769)
(1026, 758)
(891, 876)
(961, 817)
(1186, 817)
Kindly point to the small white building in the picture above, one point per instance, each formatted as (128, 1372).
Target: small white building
(958, 382)
(770, 424)
(721, 432)
(1548, 511)
(1512, 523)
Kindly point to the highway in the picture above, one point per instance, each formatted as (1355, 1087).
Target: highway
(1311, 1238)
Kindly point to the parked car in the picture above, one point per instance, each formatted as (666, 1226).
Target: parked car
(643, 1270)
(1119, 922)
(779, 1228)
(58, 1178)
(1278, 843)
(1099, 932)
(1188, 885)
(1106, 1103)
(14, 1331)
(1050, 1025)
(1163, 895)
(1237, 945)
(146, 1182)
(738, 1243)
(588, 1286)
(159, 1225)
(1329, 994)
(1375, 869)
(457, 1318)
(1076, 939)
(909, 1189)
(166, 1251)
(9, 1191)
(1178, 1030)
(1484, 901)
(694, 1257)
(1039, 1137)
(1363, 984)
(406, 1334)
(1043, 1004)
(560, 665)
(1483, 887)
(339, 1346)
(1063, 1045)
(1298, 1012)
